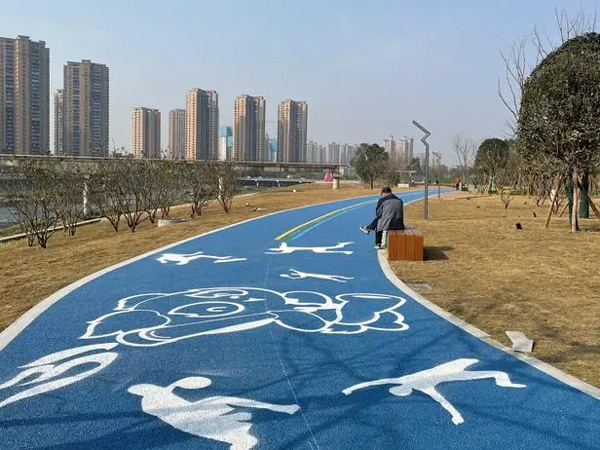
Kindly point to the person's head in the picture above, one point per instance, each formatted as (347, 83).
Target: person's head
(386, 190)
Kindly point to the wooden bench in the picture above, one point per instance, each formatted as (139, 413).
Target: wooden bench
(405, 245)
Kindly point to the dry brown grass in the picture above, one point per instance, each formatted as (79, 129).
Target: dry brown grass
(544, 282)
(28, 275)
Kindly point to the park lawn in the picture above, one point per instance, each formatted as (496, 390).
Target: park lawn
(28, 275)
(543, 282)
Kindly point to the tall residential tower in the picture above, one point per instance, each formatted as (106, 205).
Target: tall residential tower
(85, 106)
(24, 96)
(202, 125)
(145, 133)
(177, 134)
(292, 119)
(249, 129)
(58, 122)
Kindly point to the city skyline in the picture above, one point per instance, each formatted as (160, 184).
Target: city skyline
(438, 75)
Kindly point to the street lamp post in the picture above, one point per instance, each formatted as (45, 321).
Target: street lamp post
(424, 141)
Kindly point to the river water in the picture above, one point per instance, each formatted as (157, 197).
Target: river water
(6, 217)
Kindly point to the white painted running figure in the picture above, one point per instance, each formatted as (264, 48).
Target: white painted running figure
(58, 370)
(284, 248)
(182, 259)
(297, 275)
(217, 418)
(426, 381)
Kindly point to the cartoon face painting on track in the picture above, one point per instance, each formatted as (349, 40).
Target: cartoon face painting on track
(156, 319)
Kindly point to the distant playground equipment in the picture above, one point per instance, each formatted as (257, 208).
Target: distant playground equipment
(332, 178)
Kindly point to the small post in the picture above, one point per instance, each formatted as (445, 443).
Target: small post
(424, 141)
(86, 197)
(336, 181)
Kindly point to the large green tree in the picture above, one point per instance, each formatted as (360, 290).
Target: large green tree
(558, 124)
(492, 156)
(370, 163)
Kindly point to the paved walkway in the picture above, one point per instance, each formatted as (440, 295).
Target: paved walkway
(279, 333)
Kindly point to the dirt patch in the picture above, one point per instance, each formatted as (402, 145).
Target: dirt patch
(543, 282)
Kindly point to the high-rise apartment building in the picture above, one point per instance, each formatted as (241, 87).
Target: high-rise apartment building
(312, 152)
(389, 145)
(145, 133)
(332, 153)
(177, 134)
(271, 148)
(347, 152)
(292, 120)
(24, 96)
(202, 125)
(85, 106)
(58, 122)
(249, 129)
(404, 149)
(225, 142)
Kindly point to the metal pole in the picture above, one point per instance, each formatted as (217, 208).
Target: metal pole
(424, 141)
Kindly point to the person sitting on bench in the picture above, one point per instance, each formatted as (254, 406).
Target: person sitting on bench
(389, 216)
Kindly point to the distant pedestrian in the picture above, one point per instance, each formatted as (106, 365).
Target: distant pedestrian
(457, 183)
(389, 215)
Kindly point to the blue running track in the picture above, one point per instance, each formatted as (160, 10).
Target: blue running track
(278, 333)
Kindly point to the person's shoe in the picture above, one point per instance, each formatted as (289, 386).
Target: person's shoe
(381, 247)
(365, 230)
(377, 247)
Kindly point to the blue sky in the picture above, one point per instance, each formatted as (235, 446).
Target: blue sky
(366, 68)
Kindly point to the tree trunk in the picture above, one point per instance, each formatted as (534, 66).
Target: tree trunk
(584, 209)
(556, 189)
(591, 204)
(574, 221)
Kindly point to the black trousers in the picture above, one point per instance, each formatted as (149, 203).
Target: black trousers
(378, 234)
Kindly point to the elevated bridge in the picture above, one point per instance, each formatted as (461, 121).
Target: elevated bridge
(245, 167)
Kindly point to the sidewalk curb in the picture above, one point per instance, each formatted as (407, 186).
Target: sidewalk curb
(474, 331)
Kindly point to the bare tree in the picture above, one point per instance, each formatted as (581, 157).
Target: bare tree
(517, 68)
(133, 185)
(171, 185)
(69, 198)
(225, 178)
(107, 193)
(149, 184)
(31, 194)
(506, 176)
(199, 186)
(465, 150)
